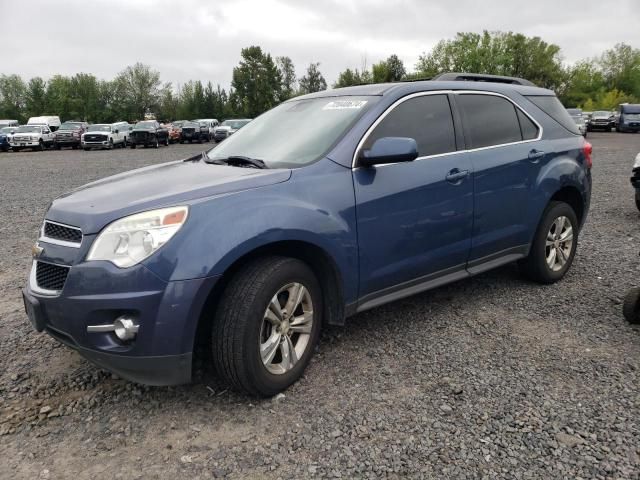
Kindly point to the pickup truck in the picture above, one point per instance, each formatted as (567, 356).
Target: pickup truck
(148, 133)
(36, 137)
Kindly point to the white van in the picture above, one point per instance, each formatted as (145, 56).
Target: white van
(53, 122)
(9, 123)
(212, 124)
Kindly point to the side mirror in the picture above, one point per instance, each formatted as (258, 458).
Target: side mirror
(389, 150)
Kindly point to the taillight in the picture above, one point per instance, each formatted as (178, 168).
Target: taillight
(588, 150)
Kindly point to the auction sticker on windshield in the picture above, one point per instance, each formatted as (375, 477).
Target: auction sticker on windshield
(344, 104)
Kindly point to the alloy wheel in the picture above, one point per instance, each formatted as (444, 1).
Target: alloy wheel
(286, 328)
(559, 243)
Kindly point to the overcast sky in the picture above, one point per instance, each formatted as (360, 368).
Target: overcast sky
(198, 39)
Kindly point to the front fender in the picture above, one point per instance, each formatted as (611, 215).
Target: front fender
(315, 206)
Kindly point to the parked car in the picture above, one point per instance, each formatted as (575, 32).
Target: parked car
(36, 137)
(149, 133)
(628, 119)
(228, 128)
(105, 136)
(51, 121)
(193, 131)
(577, 116)
(174, 132)
(601, 120)
(6, 134)
(635, 179)
(212, 124)
(9, 123)
(69, 135)
(327, 205)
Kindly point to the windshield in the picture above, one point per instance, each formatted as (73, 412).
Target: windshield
(578, 119)
(190, 125)
(601, 114)
(295, 133)
(178, 123)
(8, 129)
(69, 126)
(28, 129)
(574, 111)
(630, 108)
(99, 128)
(146, 125)
(235, 124)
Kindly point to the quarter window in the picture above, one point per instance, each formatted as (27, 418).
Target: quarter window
(427, 119)
(527, 127)
(489, 120)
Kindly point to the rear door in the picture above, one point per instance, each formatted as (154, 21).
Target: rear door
(414, 218)
(502, 144)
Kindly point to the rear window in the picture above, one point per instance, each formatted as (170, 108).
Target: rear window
(550, 105)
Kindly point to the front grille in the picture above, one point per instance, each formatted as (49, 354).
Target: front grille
(139, 134)
(21, 139)
(188, 131)
(62, 232)
(95, 138)
(51, 277)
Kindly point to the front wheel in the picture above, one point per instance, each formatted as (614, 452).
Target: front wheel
(133, 146)
(166, 142)
(266, 325)
(156, 144)
(554, 245)
(631, 306)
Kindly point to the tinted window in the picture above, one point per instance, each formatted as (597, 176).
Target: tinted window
(527, 127)
(426, 119)
(489, 120)
(550, 105)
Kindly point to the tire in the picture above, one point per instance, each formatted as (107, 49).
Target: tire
(631, 306)
(536, 266)
(181, 142)
(111, 144)
(166, 142)
(156, 144)
(133, 146)
(240, 326)
(86, 149)
(57, 146)
(40, 146)
(15, 149)
(637, 198)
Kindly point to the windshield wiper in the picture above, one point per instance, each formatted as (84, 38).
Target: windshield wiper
(238, 161)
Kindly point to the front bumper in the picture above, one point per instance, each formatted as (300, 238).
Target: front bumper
(95, 293)
(629, 127)
(67, 142)
(25, 144)
(103, 144)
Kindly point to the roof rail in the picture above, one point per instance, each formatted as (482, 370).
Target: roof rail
(481, 77)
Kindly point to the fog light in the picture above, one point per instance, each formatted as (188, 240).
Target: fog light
(125, 328)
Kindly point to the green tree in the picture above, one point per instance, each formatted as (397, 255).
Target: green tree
(12, 97)
(141, 86)
(390, 70)
(84, 90)
(348, 78)
(36, 97)
(621, 69)
(583, 81)
(498, 53)
(288, 75)
(59, 97)
(313, 81)
(256, 82)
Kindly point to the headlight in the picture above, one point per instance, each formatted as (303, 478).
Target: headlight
(636, 164)
(131, 239)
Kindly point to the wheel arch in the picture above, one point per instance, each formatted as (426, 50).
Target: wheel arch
(320, 262)
(572, 196)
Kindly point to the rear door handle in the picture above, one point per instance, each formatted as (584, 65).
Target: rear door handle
(535, 155)
(456, 175)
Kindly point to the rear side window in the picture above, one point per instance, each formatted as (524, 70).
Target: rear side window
(489, 120)
(527, 127)
(427, 119)
(550, 105)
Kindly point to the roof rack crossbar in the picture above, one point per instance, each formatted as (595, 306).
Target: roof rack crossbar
(481, 77)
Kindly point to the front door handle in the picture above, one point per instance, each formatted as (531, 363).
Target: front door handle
(535, 155)
(456, 175)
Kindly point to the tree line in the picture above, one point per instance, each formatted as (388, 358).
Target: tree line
(260, 81)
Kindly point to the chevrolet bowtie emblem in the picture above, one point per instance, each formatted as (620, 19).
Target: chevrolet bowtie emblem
(36, 251)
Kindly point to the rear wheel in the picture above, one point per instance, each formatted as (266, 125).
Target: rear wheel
(631, 306)
(266, 325)
(86, 149)
(554, 245)
(156, 144)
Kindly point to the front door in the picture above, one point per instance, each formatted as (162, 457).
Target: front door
(414, 218)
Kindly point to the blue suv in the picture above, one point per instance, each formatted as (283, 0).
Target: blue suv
(327, 205)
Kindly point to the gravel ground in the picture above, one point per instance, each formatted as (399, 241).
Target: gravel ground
(491, 377)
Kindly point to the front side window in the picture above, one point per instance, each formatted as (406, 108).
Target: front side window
(427, 119)
(489, 120)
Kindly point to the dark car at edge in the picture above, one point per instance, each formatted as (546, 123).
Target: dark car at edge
(329, 204)
(148, 133)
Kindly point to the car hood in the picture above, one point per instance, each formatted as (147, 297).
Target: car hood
(224, 127)
(143, 130)
(96, 204)
(600, 117)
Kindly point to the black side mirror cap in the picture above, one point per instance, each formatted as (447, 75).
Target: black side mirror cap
(389, 150)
